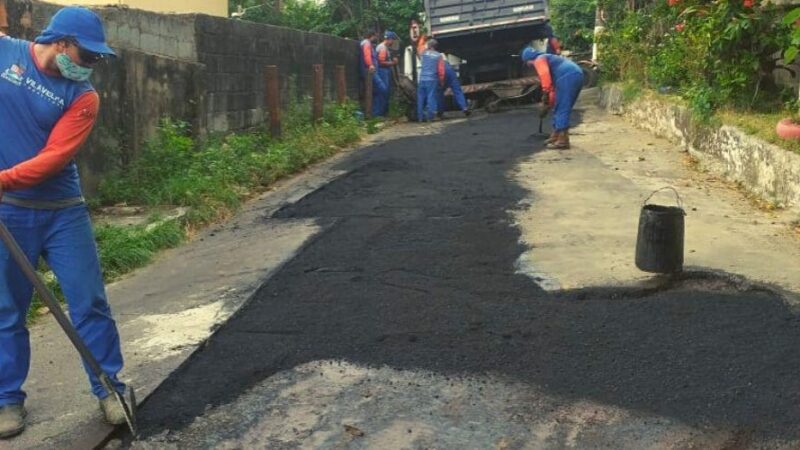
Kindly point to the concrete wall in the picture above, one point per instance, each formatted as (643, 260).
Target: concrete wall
(235, 53)
(207, 71)
(764, 169)
(211, 7)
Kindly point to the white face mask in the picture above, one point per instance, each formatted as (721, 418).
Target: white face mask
(70, 70)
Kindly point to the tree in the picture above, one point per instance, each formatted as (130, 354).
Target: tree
(573, 22)
(347, 18)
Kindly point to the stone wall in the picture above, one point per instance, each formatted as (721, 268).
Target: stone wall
(207, 71)
(764, 169)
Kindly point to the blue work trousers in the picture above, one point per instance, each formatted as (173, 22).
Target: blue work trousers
(379, 92)
(458, 96)
(64, 238)
(426, 100)
(568, 87)
(385, 74)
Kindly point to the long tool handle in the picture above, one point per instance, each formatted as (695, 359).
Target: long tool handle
(52, 304)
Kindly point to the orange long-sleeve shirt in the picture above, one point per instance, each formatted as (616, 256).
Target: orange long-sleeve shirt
(545, 77)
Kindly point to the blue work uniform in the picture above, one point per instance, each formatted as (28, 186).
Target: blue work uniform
(54, 224)
(385, 74)
(563, 76)
(451, 81)
(379, 89)
(568, 82)
(430, 74)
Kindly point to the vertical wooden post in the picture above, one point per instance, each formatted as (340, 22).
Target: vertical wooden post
(368, 95)
(273, 98)
(341, 85)
(316, 106)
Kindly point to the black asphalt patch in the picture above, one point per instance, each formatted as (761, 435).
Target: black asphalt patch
(418, 272)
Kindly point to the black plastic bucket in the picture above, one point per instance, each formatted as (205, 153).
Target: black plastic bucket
(659, 244)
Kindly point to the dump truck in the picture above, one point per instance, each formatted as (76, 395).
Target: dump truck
(482, 39)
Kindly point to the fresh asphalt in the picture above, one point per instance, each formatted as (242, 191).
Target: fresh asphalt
(416, 270)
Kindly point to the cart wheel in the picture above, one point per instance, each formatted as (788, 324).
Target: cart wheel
(492, 103)
(589, 76)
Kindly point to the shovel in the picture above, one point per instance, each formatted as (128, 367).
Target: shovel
(542, 114)
(52, 304)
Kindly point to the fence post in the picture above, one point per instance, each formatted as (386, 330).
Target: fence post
(341, 85)
(316, 106)
(273, 98)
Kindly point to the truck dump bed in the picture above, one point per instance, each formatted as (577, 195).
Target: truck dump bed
(449, 18)
(481, 31)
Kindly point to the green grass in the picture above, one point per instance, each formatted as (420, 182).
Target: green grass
(125, 248)
(761, 125)
(212, 178)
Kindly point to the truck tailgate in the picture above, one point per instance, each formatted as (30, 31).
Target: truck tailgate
(454, 17)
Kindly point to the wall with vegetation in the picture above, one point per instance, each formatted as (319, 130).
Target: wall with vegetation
(720, 54)
(205, 71)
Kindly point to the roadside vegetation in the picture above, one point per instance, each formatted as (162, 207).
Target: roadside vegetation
(721, 58)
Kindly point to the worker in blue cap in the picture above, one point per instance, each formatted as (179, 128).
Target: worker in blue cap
(562, 81)
(385, 63)
(47, 110)
(451, 81)
(369, 72)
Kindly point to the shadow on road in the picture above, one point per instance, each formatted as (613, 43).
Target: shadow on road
(418, 273)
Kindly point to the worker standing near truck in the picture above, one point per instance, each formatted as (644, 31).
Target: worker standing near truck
(431, 78)
(385, 63)
(369, 74)
(562, 81)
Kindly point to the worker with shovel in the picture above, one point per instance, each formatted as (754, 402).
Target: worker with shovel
(385, 63)
(47, 110)
(562, 81)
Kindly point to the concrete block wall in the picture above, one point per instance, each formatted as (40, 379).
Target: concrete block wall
(235, 53)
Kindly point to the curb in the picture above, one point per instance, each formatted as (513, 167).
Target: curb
(765, 170)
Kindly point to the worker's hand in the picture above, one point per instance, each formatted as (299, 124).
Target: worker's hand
(395, 61)
(371, 69)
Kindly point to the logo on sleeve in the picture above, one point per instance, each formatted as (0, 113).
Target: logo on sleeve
(13, 74)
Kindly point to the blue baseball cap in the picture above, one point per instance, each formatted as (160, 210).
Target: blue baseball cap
(529, 54)
(391, 35)
(80, 24)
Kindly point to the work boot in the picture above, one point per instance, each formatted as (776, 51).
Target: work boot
(467, 112)
(112, 410)
(561, 142)
(553, 137)
(12, 420)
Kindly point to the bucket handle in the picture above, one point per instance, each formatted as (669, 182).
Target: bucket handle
(677, 196)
